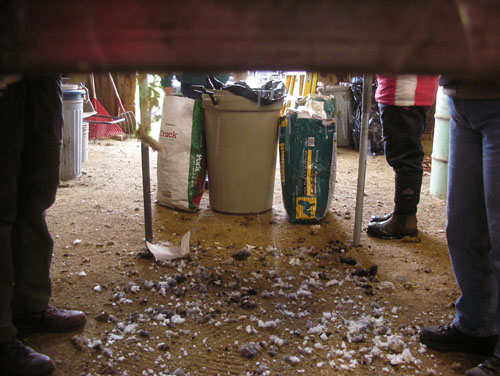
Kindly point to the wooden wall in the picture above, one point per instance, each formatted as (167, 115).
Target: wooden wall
(125, 84)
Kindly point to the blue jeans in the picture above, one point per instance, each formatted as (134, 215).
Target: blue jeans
(473, 213)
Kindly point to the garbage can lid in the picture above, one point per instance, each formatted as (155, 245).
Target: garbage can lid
(72, 93)
(69, 87)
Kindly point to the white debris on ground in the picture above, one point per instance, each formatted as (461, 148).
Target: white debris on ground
(325, 314)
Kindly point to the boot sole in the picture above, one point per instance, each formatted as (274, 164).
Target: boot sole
(28, 329)
(470, 348)
(41, 370)
(465, 349)
(392, 237)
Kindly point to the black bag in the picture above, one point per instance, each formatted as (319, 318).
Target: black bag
(270, 92)
(375, 140)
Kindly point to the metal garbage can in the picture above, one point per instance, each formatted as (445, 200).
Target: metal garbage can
(342, 95)
(71, 151)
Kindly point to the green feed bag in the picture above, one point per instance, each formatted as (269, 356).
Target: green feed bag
(308, 150)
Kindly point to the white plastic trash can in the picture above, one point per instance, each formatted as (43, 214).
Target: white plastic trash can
(242, 140)
(440, 150)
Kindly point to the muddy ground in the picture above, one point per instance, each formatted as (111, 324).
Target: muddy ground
(257, 295)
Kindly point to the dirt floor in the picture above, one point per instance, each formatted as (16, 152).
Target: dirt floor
(256, 295)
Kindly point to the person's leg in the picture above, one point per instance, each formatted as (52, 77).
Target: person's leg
(37, 186)
(387, 130)
(15, 357)
(475, 326)
(37, 182)
(11, 145)
(469, 241)
(489, 122)
(478, 309)
(402, 130)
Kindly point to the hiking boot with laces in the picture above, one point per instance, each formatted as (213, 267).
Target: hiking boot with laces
(51, 320)
(17, 359)
(490, 367)
(449, 338)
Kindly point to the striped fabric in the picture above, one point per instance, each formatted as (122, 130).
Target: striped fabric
(406, 90)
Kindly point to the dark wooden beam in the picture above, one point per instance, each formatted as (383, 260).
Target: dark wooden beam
(424, 36)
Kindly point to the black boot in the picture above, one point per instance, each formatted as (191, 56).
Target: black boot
(403, 220)
(449, 338)
(381, 218)
(396, 227)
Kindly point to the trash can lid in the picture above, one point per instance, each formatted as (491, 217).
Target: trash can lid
(69, 86)
(73, 94)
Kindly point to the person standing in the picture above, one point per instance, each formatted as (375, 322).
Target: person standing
(31, 123)
(403, 102)
(473, 222)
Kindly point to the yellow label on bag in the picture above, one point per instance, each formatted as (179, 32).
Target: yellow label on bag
(282, 121)
(305, 207)
(282, 162)
(308, 178)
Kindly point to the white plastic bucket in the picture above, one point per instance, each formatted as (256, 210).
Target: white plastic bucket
(85, 141)
(439, 167)
(71, 151)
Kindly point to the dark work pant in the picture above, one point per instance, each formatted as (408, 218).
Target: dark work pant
(402, 129)
(31, 125)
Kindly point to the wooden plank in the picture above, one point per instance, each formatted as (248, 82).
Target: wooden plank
(425, 36)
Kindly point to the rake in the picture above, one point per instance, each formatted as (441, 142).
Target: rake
(102, 125)
(130, 124)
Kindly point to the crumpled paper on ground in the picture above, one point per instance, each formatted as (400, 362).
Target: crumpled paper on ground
(166, 251)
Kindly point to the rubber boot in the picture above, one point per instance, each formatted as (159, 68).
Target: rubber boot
(396, 227)
(403, 221)
(381, 218)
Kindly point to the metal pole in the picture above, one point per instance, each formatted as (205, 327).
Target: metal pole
(146, 180)
(146, 188)
(367, 104)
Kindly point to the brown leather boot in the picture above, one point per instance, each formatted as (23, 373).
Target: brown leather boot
(51, 320)
(396, 227)
(17, 359)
